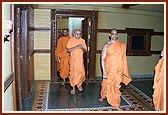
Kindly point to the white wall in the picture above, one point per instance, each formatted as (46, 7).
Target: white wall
(7, 97)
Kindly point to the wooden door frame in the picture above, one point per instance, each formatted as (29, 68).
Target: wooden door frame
(86, 36)
(17, 58)
(93, 38)
(21, 52)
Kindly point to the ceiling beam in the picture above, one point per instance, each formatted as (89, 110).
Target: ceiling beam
(127, 6)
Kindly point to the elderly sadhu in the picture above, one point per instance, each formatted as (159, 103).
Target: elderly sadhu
(76, 46)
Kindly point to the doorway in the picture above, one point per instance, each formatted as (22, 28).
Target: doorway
(89, 27)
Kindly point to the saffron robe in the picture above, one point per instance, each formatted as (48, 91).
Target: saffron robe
(117, 71)
(62, 53)
(158, 94)
(77, 71)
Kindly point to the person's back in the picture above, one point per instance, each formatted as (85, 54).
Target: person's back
(61, 50)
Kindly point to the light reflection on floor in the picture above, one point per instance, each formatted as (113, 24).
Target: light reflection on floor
(59, 97)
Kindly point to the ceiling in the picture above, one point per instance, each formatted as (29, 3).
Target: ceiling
(145, 7)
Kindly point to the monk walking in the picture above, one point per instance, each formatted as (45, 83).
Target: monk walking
(76, 46)
(62, 56)
(115, 70)
(158, 94)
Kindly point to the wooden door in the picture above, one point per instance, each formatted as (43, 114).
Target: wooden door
(17, 58)
(24, 78)
(86, 36)
(24, 55)
(30, 48)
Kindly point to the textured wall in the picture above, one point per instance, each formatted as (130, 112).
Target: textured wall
(42, 41)
(42, 66)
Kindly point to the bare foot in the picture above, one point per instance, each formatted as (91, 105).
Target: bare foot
(63, 82)
(101, 99)
(117, 108)
(80, 88)
(72, 91)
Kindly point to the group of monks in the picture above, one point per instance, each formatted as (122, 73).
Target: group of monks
(69, 55)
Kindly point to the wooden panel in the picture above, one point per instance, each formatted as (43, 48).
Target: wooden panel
(152, 52)
(108, 31)
(124, 31)
(53, 47)
(85, 33)
(156, 52)
(30, 50)
(42, 51)
(93, 43)
(132, 34)
(24, 55)
(9, 81)
(23, 48)
(17, 38)
(127, 6)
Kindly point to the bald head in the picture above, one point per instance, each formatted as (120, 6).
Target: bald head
(77, 34)
(113, 34)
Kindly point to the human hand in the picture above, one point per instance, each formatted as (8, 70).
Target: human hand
(58, 59)
(79, 46)
(105, 77)
(162, 53)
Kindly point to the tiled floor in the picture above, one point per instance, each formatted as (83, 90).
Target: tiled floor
(52, 96)
(145, 85)
(59, 97)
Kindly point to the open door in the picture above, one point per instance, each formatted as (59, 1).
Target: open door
(86, 30)
(23, 53)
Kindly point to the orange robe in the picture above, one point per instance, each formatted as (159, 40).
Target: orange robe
(158, 94)
(62, 53)
(117, 71)
(77, 71)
